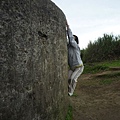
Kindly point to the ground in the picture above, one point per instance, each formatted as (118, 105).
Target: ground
(97, 96)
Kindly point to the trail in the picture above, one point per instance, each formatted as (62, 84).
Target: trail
(95, 100)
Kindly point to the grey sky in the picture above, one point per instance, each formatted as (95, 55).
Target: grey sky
(90, 19)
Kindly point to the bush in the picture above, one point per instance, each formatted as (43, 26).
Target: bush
(104, 48)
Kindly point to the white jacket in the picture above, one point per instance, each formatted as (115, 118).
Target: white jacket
(74, 58)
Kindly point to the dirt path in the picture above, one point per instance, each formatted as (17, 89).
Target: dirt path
(97, 97)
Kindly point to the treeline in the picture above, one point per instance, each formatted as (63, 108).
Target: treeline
(104, 48)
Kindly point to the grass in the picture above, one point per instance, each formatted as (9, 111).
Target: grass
(94, 68)
(69, 113)
(101, 66)
(115, 63)
(74, 95)
(106, 82)
(107, 79)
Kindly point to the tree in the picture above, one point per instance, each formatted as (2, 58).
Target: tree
(104, 48)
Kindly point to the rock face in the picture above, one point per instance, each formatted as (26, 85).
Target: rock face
(33, 83)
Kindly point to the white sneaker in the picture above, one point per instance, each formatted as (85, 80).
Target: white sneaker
(70, 94)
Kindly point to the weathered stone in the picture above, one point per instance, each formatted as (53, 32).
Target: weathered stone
(33, 83)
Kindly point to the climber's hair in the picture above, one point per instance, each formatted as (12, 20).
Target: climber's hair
(76, 39)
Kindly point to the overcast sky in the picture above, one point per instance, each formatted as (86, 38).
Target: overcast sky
(90, 19)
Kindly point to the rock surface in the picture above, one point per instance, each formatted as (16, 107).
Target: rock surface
(33, 83)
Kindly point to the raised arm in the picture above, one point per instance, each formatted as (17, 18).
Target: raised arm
(72, 42)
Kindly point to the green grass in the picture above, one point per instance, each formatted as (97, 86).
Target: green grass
(106, 82)
(101, 66)
(94, 68)
(69, 113)
(115, 63)
(74, 95)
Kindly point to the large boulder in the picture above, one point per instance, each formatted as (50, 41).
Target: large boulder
(33, 83)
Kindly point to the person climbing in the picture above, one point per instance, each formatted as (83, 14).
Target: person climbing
(75, 63)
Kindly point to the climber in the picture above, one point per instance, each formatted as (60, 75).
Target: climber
(74, 61)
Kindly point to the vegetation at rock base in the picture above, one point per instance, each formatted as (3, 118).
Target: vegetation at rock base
(69, 113)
